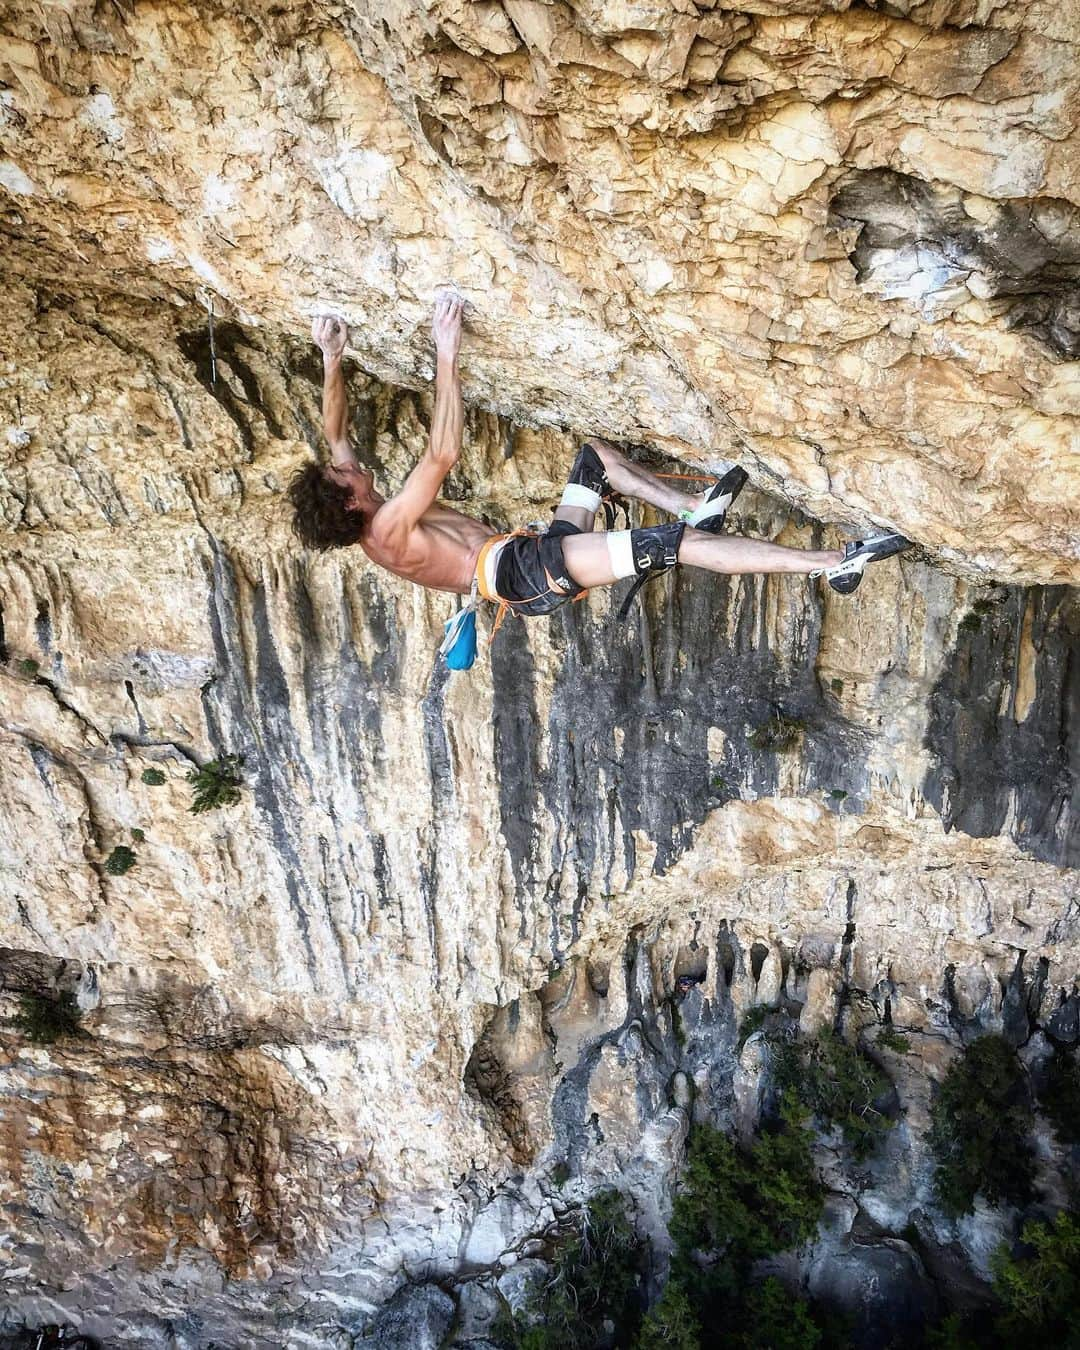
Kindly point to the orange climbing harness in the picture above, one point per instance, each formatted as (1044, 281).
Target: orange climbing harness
(487, 564)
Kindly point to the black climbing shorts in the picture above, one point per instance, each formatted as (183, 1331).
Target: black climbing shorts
(531, 576)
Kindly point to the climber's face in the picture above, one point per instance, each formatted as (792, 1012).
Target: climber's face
(359, 482)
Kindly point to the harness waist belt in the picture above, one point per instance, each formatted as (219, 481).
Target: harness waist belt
(487, 565)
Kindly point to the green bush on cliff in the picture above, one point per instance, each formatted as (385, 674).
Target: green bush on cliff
(122, 859)
(1039, 1290)
(888, 1038)
(595, 1279)
(774, 1317)
(1060, 1098)
(1036, 1295)
(671, 1323)
(47, 1018)
(745, 1205)
(838, 1084)
(778, 734)
(732, 1208)
(216, 784)
(980, 1126)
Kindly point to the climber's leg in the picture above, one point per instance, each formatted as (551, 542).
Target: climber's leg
(585, 489)
(600, 559)
(631, 480)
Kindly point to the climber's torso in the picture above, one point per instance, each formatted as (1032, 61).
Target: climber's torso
(440, 551)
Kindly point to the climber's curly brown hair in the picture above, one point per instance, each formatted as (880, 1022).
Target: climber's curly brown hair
(321, 515)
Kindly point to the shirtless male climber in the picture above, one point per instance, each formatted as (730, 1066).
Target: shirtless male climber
(416, 537)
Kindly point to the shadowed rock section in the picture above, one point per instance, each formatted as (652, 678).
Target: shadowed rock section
(1005, 723)
(939, 247)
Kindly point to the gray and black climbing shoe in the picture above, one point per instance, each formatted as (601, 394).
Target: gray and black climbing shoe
(846, 575)
(709, 516)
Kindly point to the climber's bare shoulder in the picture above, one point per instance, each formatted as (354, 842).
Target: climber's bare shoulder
(438, 551)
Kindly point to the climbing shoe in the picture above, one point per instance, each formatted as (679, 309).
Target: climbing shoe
(846, 575)
(709, 516)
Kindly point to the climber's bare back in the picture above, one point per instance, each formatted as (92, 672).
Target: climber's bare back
(439, 551)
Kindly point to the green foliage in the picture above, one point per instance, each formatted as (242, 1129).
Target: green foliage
(595, 1278)
(671, 1323)
(837, 794)
(122, 859)
(560, 1173)
(752, 1020)
(748, 1205)
(734, 1207)
(29, 668)
(960, 1331)
(1060, 1098)
(46, 1018)
(772, 1317)
(837, 686)
(153, 777)
(980, 1123)
(837, 1083)
(779, 733)
(216, 784)
(1039, 1292)
(139, 836)
(970, 623)
(888, 1039)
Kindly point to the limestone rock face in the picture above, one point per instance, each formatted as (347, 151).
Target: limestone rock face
(389, 1018)
(836, 243)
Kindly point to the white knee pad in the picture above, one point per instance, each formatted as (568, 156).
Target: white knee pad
(576, 494)
(620, 549)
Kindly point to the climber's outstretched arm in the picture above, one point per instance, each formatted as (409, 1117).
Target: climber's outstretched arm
(330, 335)
(447, 425)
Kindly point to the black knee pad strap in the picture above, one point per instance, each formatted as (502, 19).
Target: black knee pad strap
(656, 547)
(656, 550)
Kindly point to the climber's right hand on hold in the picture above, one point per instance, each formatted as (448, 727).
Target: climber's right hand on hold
(330, 334)
(446, 325)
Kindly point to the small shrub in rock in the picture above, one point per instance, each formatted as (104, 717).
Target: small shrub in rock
(29, 668)
(122, 859)
(752, 1021)
(560, 1173)
(671, 1323)
(772, 1316)
(838, 1084)
(216, 784)
(890, 1039)
(980, 1126)
(153, 778)
(1039, 1289)
(592, 1296)
(138, 836)
(962, 1331)
(47, 1018)
(779, 733)
(1060, 1098)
